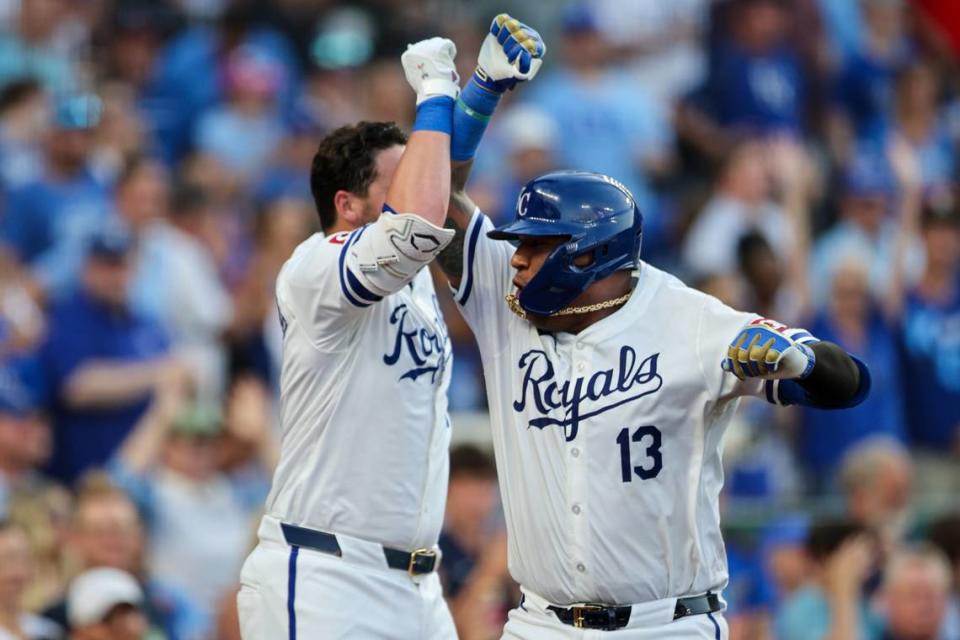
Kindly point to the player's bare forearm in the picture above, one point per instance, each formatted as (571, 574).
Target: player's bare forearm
(835, 378)
(421, 184)
(460, 209)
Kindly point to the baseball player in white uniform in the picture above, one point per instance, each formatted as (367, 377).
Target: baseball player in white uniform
(348, 545)
(610, 385)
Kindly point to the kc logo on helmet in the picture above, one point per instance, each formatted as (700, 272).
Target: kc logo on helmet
(522, 203)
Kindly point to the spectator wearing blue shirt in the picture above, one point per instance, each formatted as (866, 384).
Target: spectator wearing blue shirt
(188, 77)
(245, 132)
(868, 229)
(610, 124)
(49, 220)
(851, 320)
(23, 119)
(101, 361)
(921, 122)
(864, 86)
(197, 513)
(831, 604)
(748, 600)
(28, 46)
(931, 334)
(754, 87)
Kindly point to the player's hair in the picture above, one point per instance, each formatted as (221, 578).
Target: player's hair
(472, 461)
(346, 160)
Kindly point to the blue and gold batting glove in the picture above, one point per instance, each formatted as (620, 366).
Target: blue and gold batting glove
(512, 52)
(770, 350)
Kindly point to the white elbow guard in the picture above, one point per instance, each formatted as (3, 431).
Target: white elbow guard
(394, 248)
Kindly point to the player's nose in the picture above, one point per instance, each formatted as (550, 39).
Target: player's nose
(520, 260)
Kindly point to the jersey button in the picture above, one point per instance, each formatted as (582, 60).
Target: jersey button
(581, 567)
(576, 509)
(581, 367)
(575, 452)
(579, 345)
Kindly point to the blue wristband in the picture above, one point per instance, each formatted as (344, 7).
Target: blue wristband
(435, 114)
(470, 117)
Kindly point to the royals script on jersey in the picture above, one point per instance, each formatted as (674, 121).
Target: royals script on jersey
(608, 442)
(363, 398)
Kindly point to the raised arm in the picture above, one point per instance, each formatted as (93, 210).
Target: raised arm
(511, 53)
(421, 184)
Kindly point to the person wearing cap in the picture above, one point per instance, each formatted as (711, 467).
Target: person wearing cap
(106, 604)
(867, 227)
(47, 220)
(105, 530)
(198, 515)
(101, 361)
(246, 131)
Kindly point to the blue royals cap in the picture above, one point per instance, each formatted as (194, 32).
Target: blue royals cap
(111, 242)
(15, 398)
(788, 530)
(579, 17)
(868, 176)
(77, 111)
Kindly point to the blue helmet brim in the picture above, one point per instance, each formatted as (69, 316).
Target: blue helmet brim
(536, 228)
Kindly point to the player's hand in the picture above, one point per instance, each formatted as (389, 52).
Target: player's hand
(512, 52)
(769, 350)
(430, 69)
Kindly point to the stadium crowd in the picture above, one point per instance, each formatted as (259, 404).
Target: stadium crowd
(798, 158)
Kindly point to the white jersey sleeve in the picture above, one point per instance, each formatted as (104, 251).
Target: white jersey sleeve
(486, 280)
(330, 281)
(383, 257)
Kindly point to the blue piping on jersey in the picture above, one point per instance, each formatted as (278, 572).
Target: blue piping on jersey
(471, 250)
(343, 282)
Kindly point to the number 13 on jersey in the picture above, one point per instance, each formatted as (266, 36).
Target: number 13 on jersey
(650, 467)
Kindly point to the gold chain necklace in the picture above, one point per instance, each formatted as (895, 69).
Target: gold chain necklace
(514, 305)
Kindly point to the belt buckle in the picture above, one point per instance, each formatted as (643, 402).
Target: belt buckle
(580, 611)
(415, 557)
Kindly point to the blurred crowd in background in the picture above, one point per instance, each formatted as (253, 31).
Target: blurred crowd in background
(797, 158)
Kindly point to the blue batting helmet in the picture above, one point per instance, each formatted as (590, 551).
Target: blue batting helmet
(595, 214)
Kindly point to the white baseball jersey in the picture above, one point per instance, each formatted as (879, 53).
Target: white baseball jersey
(608, 442)
(366, 365)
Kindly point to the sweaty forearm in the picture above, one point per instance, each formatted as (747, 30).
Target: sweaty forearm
(835, 378)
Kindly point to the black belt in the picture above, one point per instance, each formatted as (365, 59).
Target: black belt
(416, 563)
(611, 618)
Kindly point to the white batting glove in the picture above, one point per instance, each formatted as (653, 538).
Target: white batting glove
(512, 52)
(430, 70)
(769, 350)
